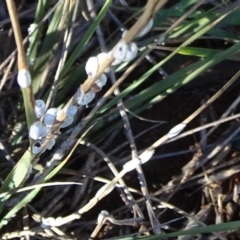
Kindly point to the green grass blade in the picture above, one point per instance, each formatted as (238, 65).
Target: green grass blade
(31, 195)
(182, 77)
(16, 176)
(34, 43)
(29, 105)
(86, 37)
(157, 66)
(46, 50)
(18, 206)
(199, 230)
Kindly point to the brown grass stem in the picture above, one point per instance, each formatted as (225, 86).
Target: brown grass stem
(22, 62)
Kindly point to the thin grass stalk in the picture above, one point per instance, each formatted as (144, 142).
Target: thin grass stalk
(27, 92)
(67, 12)
(120, 106)
(129, 135)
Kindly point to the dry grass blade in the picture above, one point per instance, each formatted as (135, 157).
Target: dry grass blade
(22, 64)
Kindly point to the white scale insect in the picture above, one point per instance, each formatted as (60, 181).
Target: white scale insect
(40, 108)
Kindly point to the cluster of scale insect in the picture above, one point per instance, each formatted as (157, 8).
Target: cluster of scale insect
(122, 52)
(41, 130)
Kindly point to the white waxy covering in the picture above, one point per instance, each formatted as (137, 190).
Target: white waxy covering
(36, 147)
(146, 29)
(40, 108)
(91, 66)
(176, 130)
(87, 98)
(71, 110)
(50, 116)
(51, 143)
(119, 52)
(37, 131)
(24, 78)
(131, 53)
(67, 122)
(82, 98)
(101, 81)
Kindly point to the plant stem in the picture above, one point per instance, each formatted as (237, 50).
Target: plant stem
(22, 62)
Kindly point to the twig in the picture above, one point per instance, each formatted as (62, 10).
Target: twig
(197, 129)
